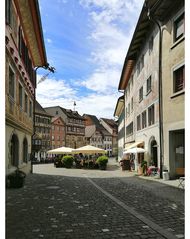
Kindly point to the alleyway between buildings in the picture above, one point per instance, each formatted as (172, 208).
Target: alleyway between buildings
(85, 204)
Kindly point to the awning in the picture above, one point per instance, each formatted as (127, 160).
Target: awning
(132, 145)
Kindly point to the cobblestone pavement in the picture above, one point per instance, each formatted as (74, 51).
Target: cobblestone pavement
(59, 207)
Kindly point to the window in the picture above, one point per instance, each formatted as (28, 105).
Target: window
(144, 120)
(150, 45)
(30, 109)
(142, 62)
(179, 27)
(56, 112)
(129, 108)
(20, 95)
(52, 127)
(148, 85)
(138, 122)
(26, 103)
(141, 94)
(179, 79)
(11, 83)
(151, 115)
(8, 11)
(132, 104)
(129, 129)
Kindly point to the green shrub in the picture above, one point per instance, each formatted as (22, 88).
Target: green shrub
(67, 161)
(102, 162)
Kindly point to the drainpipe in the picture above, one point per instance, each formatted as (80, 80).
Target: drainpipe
(151, 18)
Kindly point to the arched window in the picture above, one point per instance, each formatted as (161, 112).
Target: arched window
(25, 150)
(14, 150)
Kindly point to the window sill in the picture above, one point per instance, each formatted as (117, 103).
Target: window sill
(147, 93)
(181, 92)
(177, 42)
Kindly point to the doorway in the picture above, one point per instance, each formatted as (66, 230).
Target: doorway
(154, 153)
(14, 150)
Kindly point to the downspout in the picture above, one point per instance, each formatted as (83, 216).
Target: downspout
(160, 100)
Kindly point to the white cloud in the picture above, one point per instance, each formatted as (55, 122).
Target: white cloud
(49, 40)
(53, 92)
(112, 25)
(102, 81)
(52, 89)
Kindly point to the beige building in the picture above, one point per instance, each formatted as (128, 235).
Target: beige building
(173, 78)
(74, 125)
(24, 51)
(41, 139)
(97, 135)
(111, 126)
(120, 114)
(152, 80)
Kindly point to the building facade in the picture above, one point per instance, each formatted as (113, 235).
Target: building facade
(149, 68)
(41, 138)
(111, 126)
(96, 135)
(173, 78)
(74, 125)
(24, 51)
(57, 133)
(120, 114)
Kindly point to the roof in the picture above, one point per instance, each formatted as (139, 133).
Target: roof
(119, 106)
(29, 14)
(97, 124)
(110, 122)
(40, 110)
(159, 9)
(72, 114)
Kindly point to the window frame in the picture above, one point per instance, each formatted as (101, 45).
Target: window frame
(14, 84)
(144, 119)
(151, 112)
(141, 94)
(149, 86)
(174, 71)
(177, 19)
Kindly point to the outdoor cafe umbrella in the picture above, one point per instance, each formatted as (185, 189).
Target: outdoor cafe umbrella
(88, 149)
(61, 150)
(135, 151)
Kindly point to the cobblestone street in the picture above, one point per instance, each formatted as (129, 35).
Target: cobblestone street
(63, 206)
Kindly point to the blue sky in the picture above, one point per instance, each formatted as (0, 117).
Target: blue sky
(86, 41)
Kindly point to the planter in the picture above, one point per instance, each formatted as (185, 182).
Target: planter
(103, 167)
(16, 179)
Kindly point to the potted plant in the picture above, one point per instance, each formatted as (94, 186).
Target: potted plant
(58, 162)
(102, 162)
(16, 179)
(144, 167)
(67, 161)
